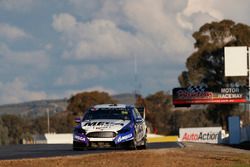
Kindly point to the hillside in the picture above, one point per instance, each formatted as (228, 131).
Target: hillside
(34, 108)
(125, 98)
(39, 108)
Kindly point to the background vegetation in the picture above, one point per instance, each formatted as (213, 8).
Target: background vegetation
(204, 67)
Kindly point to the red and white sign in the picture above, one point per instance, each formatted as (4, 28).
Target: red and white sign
(199, 95)
(201, 135)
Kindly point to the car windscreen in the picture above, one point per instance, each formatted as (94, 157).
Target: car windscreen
(107, 113)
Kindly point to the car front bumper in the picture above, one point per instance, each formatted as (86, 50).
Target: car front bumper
(118, 139)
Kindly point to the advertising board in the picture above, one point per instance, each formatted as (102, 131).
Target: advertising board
(201, 135)
(235, 61)
(200, 95)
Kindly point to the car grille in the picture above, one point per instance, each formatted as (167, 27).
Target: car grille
(101, 134)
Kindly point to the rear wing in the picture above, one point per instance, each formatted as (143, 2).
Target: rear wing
(141, 111)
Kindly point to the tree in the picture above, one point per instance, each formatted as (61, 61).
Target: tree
(62, 122)
(79, 103)
(14, 124)
(3, 134)
(39, 125)
(206, 65)
(158, 113)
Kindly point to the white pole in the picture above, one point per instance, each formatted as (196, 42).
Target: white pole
(248, 105)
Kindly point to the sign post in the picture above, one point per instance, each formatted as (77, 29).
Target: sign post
(237, 63)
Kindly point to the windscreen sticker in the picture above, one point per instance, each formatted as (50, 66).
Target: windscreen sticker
(124, 112)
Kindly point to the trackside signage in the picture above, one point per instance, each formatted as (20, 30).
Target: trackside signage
(201, 95)
(201, 135)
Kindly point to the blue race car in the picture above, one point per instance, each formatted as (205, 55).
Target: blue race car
(110, 125)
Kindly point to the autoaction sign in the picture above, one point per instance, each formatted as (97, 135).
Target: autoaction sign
(200, 95)
(201, 135)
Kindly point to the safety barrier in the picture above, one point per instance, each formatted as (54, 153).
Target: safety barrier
(153, 138)
(213, 135)
(63, 138)
(245, 134)
(54, 138)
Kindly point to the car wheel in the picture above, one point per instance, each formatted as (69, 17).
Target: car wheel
(78, 147)
(144, 145)
(133, 145)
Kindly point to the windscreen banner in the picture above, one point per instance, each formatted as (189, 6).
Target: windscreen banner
(201, 135)
(202, 95)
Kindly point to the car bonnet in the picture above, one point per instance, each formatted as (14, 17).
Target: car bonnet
(104, 125)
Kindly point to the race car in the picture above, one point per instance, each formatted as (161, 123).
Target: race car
(110, 125)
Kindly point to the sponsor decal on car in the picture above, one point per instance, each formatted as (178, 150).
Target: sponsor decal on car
(102, 123)
(80, 138)
(124, 138)
(121, 138)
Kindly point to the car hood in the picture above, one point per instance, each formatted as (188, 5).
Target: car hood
(103, 125)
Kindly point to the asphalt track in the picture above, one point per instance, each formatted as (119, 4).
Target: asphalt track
(53, 150)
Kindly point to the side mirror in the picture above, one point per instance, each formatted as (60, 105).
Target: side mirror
(77, 120)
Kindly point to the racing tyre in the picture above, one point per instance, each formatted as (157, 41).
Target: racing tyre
(144, 145)
(133, 145)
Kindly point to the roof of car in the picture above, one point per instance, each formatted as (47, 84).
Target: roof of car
(111, 106)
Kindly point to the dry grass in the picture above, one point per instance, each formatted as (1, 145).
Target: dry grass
(192, 155)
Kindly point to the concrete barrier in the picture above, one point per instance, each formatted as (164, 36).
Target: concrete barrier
(153, 138)
(54, 138)
(63, 138)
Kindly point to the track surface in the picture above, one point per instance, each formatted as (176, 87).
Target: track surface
(52, 150)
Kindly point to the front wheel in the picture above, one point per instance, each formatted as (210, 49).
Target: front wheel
(78, 146)
(144, 144)
(133, 145)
